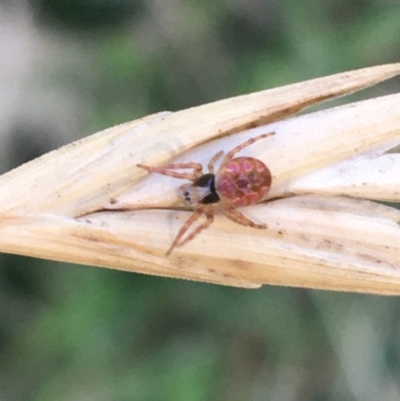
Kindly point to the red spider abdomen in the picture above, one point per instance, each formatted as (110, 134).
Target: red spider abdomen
(243, 181)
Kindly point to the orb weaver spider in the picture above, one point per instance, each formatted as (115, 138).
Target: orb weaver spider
(239, 181)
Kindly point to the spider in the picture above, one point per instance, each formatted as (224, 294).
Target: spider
(240, 181)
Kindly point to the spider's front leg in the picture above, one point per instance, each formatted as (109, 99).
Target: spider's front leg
(196, 214)
(168, 170)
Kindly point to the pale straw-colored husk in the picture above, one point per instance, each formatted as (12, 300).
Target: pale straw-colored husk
(88, 202)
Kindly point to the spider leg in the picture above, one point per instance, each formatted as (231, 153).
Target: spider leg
(168, 170)
(233, 214)
(213, 160)
(210, 218)
(240, 147)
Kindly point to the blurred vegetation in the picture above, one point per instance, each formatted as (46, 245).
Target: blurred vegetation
(70, 68)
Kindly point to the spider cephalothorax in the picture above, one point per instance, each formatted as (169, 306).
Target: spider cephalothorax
(200, 191)
(238, 182)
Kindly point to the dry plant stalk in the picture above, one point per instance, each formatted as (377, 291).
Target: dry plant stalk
(88, 202)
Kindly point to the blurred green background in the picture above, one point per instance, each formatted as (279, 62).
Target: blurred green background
(67, 332)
